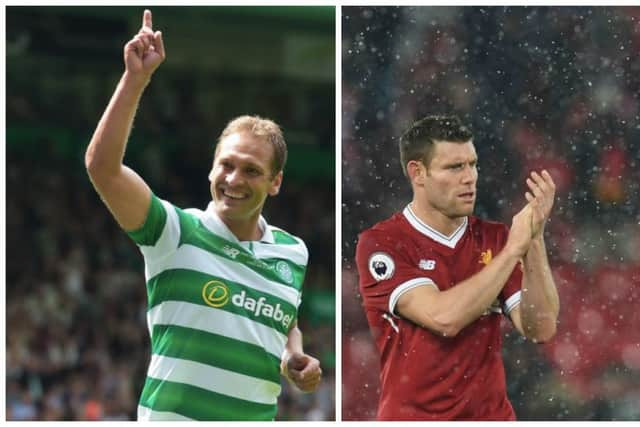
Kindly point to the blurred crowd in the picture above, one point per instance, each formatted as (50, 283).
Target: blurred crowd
(77, 341)
(542, 87)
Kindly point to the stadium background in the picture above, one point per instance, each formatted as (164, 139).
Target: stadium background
(542, 87)
(77, 342)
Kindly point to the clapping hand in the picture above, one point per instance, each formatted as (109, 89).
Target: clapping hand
(540, 198)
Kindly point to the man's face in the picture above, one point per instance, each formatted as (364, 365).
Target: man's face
(449, 180)
(241, 177)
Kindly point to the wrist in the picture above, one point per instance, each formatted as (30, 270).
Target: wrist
(513, 253)
(536, 246)
(538, 239)
(537, 243)
(135, 80)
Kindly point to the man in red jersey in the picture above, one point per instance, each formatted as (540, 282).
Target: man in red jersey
(434, 280)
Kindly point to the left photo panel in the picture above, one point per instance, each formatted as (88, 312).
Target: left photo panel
(170, 216)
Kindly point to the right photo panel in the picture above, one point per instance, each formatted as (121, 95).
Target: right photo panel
(491, 213)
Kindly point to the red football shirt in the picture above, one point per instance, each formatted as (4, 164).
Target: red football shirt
(426, 376)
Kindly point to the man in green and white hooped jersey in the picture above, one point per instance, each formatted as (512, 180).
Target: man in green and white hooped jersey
(223, 286)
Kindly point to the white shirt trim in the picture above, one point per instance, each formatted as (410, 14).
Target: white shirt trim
(407, 286)
(449, 241)
(512, 302)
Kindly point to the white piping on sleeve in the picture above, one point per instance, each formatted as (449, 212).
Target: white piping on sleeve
(512, 302)
(406, 286)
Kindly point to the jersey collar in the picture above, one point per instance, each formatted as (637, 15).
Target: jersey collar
(215, 224)
(449, 241)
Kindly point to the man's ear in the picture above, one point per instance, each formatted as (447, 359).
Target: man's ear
(416, 171)
(275, 184)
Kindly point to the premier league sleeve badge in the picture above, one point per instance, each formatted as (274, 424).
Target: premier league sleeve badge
(381, 266)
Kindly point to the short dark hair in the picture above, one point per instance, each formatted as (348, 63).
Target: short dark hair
(418, 141)
(261, 128)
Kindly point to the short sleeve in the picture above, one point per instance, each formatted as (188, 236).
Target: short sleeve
(149, 233)
(386, 271)
(159, 236)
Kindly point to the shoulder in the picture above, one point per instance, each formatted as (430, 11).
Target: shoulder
(171, 208)
(392, 225)
(387, 234)
(289, 243)
(195, 212)
(389, 229)
(186, 220)
(282, 237)
(188, 217)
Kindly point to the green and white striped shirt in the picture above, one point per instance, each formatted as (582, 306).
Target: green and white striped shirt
(219, 312)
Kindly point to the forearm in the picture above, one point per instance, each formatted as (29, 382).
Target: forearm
(540, 304)
(294, 342)
(471, 298)
(106, 149)
(293, 346)
(448, 312)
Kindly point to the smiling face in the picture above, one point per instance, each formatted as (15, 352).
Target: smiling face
(447, 185)
(242, 178)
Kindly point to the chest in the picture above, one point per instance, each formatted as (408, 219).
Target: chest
(453, 265)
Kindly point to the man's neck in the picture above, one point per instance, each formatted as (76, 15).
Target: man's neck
(435, 218)
(244, 230)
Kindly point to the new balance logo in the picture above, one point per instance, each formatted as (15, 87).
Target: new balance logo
(427, 264)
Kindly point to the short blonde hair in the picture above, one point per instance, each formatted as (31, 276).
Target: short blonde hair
(262, 128)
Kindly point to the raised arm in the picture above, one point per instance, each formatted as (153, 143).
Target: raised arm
(537, 314)
(123, 191)
(448, 312)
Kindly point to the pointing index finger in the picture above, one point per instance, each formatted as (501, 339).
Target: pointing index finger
(146, 19)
